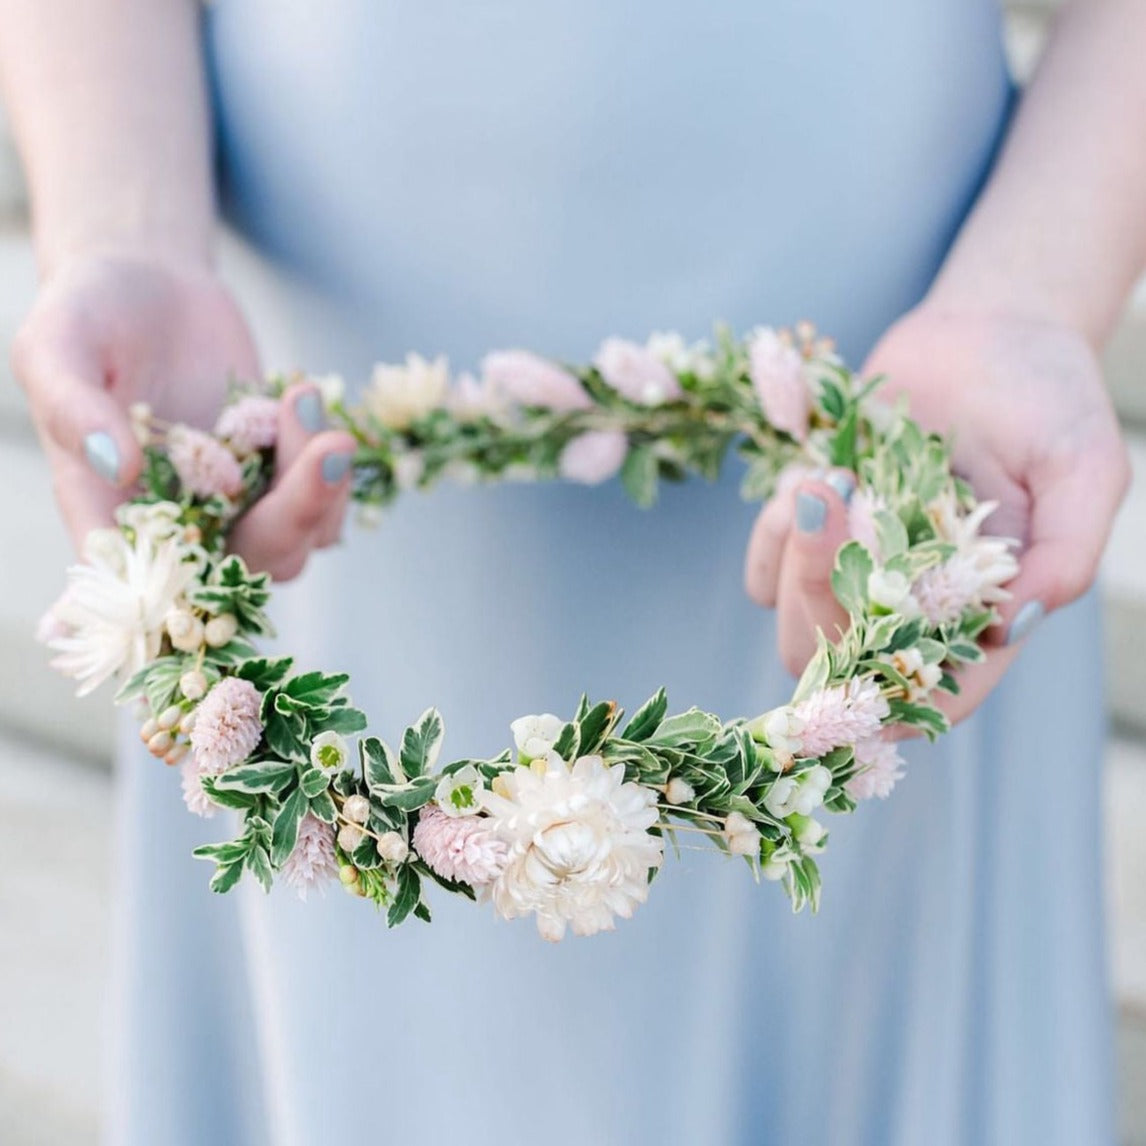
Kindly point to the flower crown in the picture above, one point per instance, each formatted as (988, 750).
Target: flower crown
(569, 826)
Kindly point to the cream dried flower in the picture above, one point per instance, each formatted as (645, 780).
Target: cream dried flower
(400, 395)
(580, 849)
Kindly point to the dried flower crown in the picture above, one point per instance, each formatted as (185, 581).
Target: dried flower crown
(570, 827)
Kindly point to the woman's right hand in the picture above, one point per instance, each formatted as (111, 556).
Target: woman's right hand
(110, 329)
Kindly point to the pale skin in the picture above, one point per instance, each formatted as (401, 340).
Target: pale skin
(107, 102)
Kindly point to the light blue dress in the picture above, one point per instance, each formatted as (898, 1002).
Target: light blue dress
(458, 177)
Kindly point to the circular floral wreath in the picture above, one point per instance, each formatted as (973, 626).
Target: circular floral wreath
(570, 827)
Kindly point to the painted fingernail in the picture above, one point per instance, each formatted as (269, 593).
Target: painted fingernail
(843, 483)
(102, 454)
(308, 410)
(335, 467)
(811, 513)
(1025, 620)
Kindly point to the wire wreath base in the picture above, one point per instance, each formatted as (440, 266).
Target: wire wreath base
(569, 825)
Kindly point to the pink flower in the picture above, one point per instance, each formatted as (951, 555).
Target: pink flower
(205, 466)
(227, 727)
(593, 457)
(862, 509)
(777, 373)
(250, 424)
(636, 373)
(879, 767)
(530, 380)
(841, 715)
(459, 847)
(194, 797)
(312, 862)
(468, 398)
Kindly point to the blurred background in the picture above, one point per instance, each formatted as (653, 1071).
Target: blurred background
(55, 751)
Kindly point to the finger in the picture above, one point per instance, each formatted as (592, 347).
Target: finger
(805, 596)
(278, 532)
(763, 558)
(72, 408)
(84, 504)
(1071, 519)
(301, 416)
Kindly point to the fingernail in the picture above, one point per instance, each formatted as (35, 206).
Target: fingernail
(843, 483)
(308, 410)
(1025, 620)
(811, 513)
(335, 467)
(103, 455)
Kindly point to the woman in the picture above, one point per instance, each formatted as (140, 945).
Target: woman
(507, 174)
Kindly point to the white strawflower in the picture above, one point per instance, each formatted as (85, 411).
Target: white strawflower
(580, 850)
(111, 615)
(679, 791)
(400, 395)
(780, 729)
(392, 847)
(185, 630)
(457, 792)
(801, 794)
(329, 750)
(891, 589)
(536, 735)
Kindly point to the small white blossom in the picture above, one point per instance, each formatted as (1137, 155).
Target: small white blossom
(741, 834)
(331, 388)
(891, 590)
(781, 729)
(457, 792)
(801, 794)
(329, 750)
(536, 735)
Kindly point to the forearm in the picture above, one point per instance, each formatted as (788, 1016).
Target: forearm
(1060, 230)
(108, 105)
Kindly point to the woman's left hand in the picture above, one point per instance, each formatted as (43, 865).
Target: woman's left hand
(1033, 429)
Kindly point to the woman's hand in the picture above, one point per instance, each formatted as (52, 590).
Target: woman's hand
(112, 329)
(1033, 429)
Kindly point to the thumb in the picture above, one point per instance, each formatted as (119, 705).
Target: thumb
(1071, 519)
(806, 601)
(73, 410)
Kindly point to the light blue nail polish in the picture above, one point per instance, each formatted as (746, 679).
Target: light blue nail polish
(103, 455)
(1025, 620)
(843, 483)
(308, 410)
(335, 467)
(811, 513)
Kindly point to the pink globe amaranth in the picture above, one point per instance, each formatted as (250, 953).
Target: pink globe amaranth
(205, 466)
(777, 372)
(459, 847)
(530, 380)
(593, 457)
(636, 373)
(251, 424)
(227, 726)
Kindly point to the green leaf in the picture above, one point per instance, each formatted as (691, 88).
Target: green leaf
(259, 865)
(892, 534)
(312, 781)
(284, 735)
(323, 807)
(285, 830)
(407, 896)
(691, 727)
(842, 447)
(265, 672)
(849, 578)
(410, 797)
(932, 722)
(639, 475)
(595, 726)
(378, 763)
(568, 742)
(226, 876)
(315, 688)
(344, 721)
(647, 718)
(421, 744)
(270, 776)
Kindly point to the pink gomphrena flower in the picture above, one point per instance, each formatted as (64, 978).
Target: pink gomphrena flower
(251, 424)
(194, 797)
(593, 457)
(312, 862)
(227, 727)
(878, 767)
(204, 465)
(469, 399)
(529, 380)
(841, 715)
(636, 372)
(776, 368)
(459, 847)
